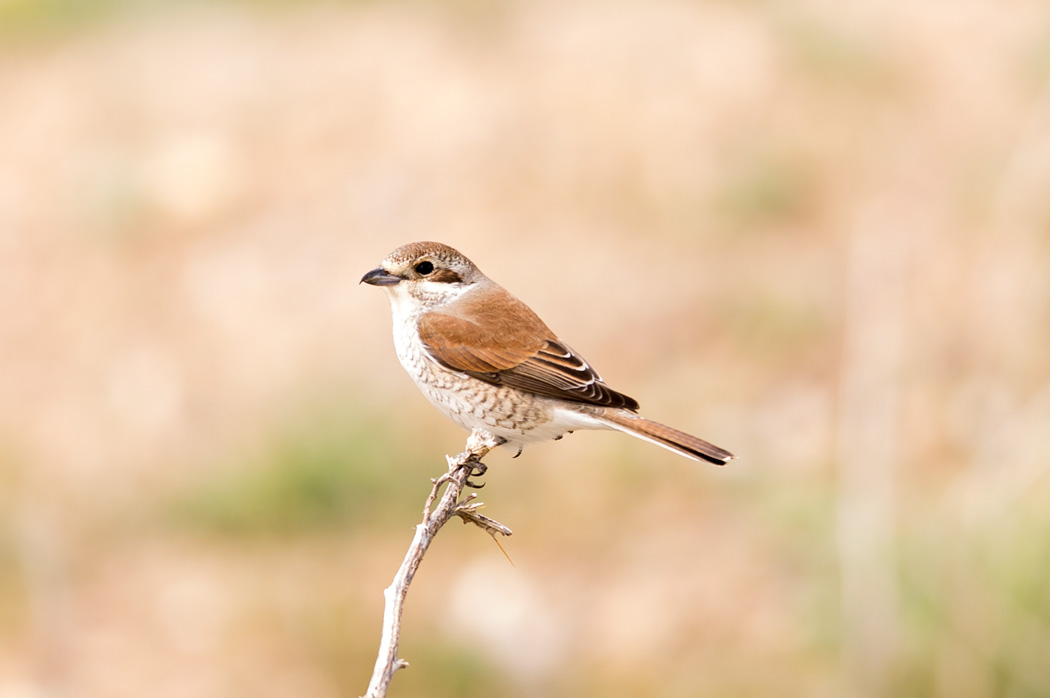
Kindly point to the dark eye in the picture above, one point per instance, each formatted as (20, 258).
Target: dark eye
(424, 268)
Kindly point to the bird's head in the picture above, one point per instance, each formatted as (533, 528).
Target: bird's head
(422, 276)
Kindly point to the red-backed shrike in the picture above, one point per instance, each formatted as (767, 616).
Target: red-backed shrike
(484, 359)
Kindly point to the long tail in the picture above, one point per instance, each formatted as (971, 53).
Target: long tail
(662, 435)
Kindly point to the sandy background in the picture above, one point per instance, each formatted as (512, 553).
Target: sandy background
(812, 233)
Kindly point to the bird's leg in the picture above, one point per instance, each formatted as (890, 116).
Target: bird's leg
(479, 443)
(477, 469)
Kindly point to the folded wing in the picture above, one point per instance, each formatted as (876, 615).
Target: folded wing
(521, 355)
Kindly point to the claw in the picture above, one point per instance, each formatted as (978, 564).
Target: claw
(477, 468)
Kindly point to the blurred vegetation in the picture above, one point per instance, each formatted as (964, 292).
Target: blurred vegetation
(13, 608)
(766, 188)
(29, 20)
(339, 470)
(977, 596)
(44, 18)
(447, 671)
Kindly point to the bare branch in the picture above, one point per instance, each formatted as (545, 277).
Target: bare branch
(452, 503)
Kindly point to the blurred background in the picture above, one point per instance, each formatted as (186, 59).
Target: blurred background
(814, 233)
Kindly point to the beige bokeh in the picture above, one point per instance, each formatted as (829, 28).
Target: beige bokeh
(814, 234)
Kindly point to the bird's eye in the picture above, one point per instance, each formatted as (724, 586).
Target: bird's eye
(424, 268)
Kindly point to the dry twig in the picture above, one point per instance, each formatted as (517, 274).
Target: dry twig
(452, 503)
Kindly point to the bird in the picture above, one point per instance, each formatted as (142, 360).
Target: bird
(488, 362)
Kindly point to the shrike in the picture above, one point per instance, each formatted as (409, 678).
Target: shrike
(486, 361)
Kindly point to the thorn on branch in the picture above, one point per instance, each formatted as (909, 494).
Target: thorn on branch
(468, 511)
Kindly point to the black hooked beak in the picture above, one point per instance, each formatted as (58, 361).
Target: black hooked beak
(380, 277)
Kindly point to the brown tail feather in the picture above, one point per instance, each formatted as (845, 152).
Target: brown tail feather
(662, 435)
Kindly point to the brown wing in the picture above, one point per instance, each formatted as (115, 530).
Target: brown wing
(558, 371)
(513, 349)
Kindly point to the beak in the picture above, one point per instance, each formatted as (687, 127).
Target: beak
(380, 277)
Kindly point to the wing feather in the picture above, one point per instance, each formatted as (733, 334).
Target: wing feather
(515, 356)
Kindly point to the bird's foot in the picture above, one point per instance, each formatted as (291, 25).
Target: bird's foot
(479, 443)
(477, 470)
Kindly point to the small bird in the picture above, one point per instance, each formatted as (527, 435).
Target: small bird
(487, 361)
